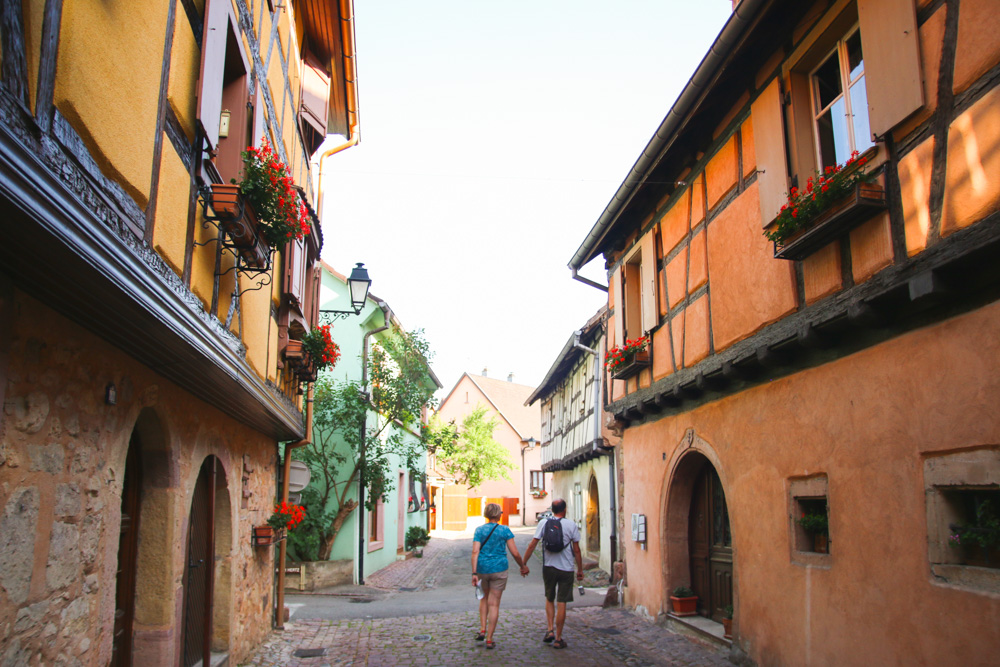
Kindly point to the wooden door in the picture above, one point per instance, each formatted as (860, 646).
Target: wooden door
(593, 519)
(475, 507)
(454, 510)
(197, 587)
(128, 545)
(510, 508)
(710, 545)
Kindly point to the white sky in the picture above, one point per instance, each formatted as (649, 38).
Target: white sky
(492, 137)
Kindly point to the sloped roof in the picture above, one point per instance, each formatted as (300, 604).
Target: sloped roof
(569, 355)
(508, 400)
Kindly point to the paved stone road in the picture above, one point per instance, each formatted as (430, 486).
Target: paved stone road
(595, 636)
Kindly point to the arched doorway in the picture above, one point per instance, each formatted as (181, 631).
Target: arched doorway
(710, 543)
(207, 566)
(593, 519)
(128, 548)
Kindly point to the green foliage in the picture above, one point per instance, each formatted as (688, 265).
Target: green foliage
(983, 531)
(814, 524)
(683, 592)
(470, 454)
(345, 425)
(727, 611)
(416, 536)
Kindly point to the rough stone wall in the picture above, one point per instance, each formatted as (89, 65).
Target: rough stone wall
(62, 459)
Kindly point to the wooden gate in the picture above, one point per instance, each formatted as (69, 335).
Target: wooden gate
(200, 565)
(455, 510)
(128, 544)
(510, 508)
(711, 545)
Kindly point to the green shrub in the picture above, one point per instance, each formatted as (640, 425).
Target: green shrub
(416, 536)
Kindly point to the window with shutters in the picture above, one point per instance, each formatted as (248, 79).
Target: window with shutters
(315, 105)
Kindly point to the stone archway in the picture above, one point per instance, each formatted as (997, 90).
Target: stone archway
(150, 463)
(697, 537)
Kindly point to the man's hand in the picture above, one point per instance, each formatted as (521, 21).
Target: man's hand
(524, 570)
(579, 575)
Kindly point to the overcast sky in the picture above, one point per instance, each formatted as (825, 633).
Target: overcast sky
(493, 135)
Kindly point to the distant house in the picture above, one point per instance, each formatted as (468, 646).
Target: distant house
(811, 438)
(576, 447)
(528, 492)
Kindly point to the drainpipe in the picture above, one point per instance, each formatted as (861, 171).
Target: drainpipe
(285, 473)
(587, 281)
(387, 315)
(351, 93)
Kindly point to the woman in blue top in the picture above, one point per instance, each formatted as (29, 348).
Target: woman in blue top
(489, 568)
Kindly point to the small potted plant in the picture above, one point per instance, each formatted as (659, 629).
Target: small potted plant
(727, 621)
(817, 525)
(982, 532)
(268, 187)
(684, 601)
(416, 538)
(286, 516)
(318, 344)
(539, 493)
(627, 359)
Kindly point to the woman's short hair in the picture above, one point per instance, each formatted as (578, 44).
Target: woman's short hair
(493, 511)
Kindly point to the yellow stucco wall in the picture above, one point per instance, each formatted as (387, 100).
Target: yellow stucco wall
(34, 12)
(185, 61)
(170, 225)
(92, 86)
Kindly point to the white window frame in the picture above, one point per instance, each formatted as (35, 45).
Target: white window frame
(840, 50)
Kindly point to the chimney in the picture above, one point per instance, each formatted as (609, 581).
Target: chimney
(510, 377)
(484, 372)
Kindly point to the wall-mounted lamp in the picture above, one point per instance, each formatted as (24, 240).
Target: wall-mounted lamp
(111, 394)
(357, 285)
(224, 124)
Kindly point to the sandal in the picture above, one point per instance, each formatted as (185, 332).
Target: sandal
(481, 636)
(559, 643)
(491, 644)
(549, 637)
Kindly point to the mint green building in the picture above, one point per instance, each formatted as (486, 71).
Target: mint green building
(385, 528)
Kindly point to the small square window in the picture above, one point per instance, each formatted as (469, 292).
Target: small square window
(974, 531)
(537, 480)
(812, 521)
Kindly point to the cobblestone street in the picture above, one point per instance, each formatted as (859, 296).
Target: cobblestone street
(595, 636)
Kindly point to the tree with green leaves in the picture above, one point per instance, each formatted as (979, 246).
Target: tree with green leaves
(381, 418)
(471, 453)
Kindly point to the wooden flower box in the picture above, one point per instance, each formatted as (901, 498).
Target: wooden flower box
(630, 367)
(294, 352)
(266, 535)
(307, 370)
(864, 202)
(239, 221)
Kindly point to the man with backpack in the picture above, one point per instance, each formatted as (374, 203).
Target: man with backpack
(557, 535)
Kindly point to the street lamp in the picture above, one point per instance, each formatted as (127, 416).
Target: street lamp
(357, 285)
(528, 444)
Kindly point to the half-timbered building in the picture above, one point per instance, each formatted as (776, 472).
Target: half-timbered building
(812, 440)
(577, 447)
(141, 335)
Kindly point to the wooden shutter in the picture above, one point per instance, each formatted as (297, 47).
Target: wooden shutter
(295, 271)
(315, 93)
(647, 269)
(619, 304)
(891, 48)
(258, 121)
(769, 146)
(213, 68)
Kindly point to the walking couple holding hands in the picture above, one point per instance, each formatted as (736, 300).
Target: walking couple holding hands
(489, 568)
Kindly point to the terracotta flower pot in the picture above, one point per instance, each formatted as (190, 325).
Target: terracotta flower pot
(684, 606)
(294, 350)
(238, 219)
(727, 627)
(821, 543)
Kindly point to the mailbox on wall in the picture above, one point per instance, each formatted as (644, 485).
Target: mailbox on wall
(639, 529)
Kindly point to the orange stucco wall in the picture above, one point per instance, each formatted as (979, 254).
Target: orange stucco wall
(866, 421)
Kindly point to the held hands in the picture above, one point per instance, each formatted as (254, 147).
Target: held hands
(524, 570)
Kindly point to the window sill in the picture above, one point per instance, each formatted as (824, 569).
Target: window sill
(375, 546)
(866, 201)
(978, 579)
